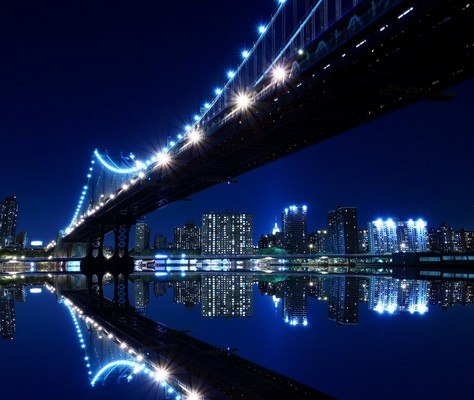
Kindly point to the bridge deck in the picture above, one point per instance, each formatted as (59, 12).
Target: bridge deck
(218, 373)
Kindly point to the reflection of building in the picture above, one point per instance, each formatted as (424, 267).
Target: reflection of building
(159, 289)
(7, 314)
(141, 293)
(344, 300)
(448, 293)
(295, 229)
(317, 288)
(187, 237)
(8, 220)
(342, 230)
(142, 236)
(363, 241)
(391, 236)
(187, 292)
(390, 295)
(227, 233)
(295, 300)
(22, 240)
(227, 295)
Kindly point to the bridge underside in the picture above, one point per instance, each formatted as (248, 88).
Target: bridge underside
(415, 57)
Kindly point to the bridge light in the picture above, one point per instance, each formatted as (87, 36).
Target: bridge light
(194, 136)
(230, 74)
(163, 158)
(245, 54)
(243, 101)
(196, 117)
(218, 91)
(141, 175)
(262, 29)
(279, 74)
(300, 52)
(207, 106)
(161, 375)
(124, 186)
(193, 396)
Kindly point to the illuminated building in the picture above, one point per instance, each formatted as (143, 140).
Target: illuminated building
(160, 242)
(342, 230)
(445, 240)
(392, 236)
(8, 220)
(142, 237)
(318, 242)
(187, 237)
(295, 229)
(227, 295)
(227, 233)
(363, 236)
(295, 300)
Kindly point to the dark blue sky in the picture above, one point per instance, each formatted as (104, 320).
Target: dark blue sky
(122, 77)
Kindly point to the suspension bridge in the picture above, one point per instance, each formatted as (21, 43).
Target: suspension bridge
(316, 69)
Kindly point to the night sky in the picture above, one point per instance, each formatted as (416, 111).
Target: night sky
(122, 76)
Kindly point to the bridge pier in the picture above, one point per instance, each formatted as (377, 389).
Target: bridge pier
(95, 265)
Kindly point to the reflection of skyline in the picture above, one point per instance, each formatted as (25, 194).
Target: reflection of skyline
(295, 300)
(344, 300)
(7, 313)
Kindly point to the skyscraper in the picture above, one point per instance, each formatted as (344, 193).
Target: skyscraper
(342, 230)
(7, 314)
(160, 242)
(344, 300)
(142, 236)
(141, 293)
(294, 220)
(227, 233)
(295, 300)
(8, 220)
(393, 236)
(445, 239)
(187, 237)
(318, 242)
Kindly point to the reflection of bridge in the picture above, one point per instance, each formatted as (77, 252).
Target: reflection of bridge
(190, 366)
(316, 70)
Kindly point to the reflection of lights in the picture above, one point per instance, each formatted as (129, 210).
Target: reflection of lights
(218, 91)
(193, 396)
(230, 74)
(163, 158)
(245, 54)
(161, 375)
(262, 29)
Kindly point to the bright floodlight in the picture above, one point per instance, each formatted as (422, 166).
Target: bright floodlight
(279, 74)
(300, 52)
(163, 158)
(194, 136)
(193, 396)
(262, 29)
(245, 54)
(243, 101)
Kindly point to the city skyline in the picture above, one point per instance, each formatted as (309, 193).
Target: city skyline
(418, 135)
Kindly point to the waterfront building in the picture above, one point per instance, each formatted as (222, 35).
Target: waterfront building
(445, 239)
(393, 236)
(160, 242)
(295, 229)
(22, 240)
(227, 234)
(8, 220)
(342, 230)
(142, 237)
(187, 237)
(227, 295)
(318, 242)
(467, 240)
(363, 236)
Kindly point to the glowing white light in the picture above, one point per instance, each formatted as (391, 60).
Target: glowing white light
(279, 74)
(245, 54)
(262, 29)
(207, 106)
(141, 175)
(163, 158)
(187, 128)
(161, 375)
(230, 74)
(300, 52)
(218, 91)
(194, 136)
(196, 117)
(243, 101)
(193, 396)
(124, 186)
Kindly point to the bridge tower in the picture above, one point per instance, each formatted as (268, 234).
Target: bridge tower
(95, 265)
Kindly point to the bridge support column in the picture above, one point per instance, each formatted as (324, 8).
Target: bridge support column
(93, 265)
(122, 264)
